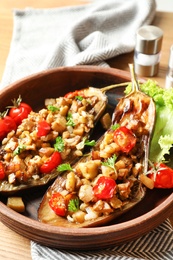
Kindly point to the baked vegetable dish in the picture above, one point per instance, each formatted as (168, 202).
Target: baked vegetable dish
(33, 147)
(106, 182)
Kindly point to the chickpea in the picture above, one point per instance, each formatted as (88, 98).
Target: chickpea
(70, 182)
(89, 169)
(79, 216)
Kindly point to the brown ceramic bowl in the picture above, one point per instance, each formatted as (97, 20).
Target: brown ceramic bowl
(148, 214)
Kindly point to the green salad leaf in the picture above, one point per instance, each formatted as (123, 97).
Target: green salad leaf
(162, 139)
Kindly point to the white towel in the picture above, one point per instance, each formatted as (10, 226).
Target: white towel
(78, 35)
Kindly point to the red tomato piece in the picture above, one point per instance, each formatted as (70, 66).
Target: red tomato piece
(125, 139)
(44, 128)
(57, 202)
(51, 163)
(7, 124)
(74, 94)
(163, 176)
(104, 188)
(19, 112)
(2, 171)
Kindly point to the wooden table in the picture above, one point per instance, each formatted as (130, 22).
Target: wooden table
(12, 245)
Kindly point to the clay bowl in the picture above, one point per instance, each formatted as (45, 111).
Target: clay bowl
(148, 214)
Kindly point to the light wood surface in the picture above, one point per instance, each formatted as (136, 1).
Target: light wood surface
(14, 246)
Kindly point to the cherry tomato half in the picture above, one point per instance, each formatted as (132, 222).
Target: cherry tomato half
(125, 139)
(7, 124)
(163, 177)
(104, 188)
(51, 163)
(57, 203)
(19, 111)
(44, 128)
(2, 171)
(74, 94)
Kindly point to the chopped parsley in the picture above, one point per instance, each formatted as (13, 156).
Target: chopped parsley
(80, 98)
(73, 205)
(53, 108)
(70, 121)
(59, 145)
(110, 162)
(85, 142)
(90, 143)
(114, 127)
(19, 149)
(64, 167)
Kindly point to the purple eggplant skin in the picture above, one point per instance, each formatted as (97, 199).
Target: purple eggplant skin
(96, 109)
(137, 112)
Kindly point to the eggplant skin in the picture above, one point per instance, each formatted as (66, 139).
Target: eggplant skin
(18, 168)
(7, 189)
(129, 190)
(47, 215)
(136, 112)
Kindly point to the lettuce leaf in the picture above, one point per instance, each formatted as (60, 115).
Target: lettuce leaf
(162, 139)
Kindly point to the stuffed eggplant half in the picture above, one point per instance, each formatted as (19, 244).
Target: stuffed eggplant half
(105, 183)
(29, 155)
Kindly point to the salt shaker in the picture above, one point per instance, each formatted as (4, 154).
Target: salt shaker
(169, 76)
(147, 50)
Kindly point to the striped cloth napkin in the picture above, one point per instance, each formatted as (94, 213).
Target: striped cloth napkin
(156, 245)
(84, 35)
(76, 35)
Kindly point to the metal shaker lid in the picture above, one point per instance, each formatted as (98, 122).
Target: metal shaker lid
(149, 39)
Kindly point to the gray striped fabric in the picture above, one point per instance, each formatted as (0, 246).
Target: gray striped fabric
(77, 35)
(156, 245)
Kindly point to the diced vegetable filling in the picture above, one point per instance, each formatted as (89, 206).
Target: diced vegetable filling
(106, 181)
(45, 139)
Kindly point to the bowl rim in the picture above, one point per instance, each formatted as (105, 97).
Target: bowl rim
(46, 228)
(82, 68)
(29, 222)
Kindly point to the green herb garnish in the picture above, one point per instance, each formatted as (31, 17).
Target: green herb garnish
(80, 98)
(19, 149)
(90, 143)
(110, 162)
(84, 142)
(59, 145)
(70, 121)
(52, 108)
(64, 167)
(114, 127)
(73, 205)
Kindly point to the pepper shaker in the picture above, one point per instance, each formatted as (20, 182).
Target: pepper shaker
(147, 50)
